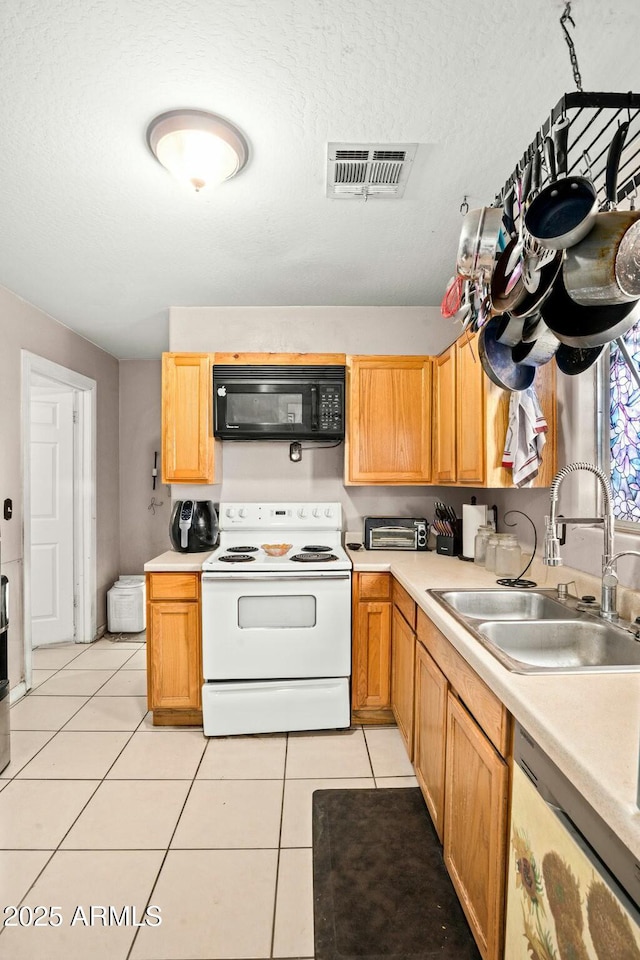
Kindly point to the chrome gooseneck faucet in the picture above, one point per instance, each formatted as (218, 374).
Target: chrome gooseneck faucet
(552, 542)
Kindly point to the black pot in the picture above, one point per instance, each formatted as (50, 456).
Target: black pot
(580, 326)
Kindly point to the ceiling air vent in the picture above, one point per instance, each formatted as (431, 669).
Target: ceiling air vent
(368, 170)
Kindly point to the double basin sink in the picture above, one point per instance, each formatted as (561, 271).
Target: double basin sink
(535, 632)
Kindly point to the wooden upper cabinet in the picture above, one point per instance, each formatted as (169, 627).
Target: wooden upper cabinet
(470, 416)
(444, 417)
(187, 432)
(388, 420)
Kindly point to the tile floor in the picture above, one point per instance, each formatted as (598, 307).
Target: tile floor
(100, 809)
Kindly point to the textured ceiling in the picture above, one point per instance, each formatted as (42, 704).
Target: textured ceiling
(96, 233)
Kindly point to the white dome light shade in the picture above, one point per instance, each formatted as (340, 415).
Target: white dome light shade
(196, 147)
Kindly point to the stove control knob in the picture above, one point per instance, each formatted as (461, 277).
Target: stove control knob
(302, 512)
(328, 511)
(231, 511)
(242, 512)
(317, 512)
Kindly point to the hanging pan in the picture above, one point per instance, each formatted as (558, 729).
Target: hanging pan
(531, 302)
(498, 363)
(604, 266)
(580, 326)
(538, 344)
(574, 360)
(478, 242)
(507, 286)
(563, 213)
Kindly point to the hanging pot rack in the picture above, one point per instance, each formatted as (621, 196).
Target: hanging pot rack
(593, 118)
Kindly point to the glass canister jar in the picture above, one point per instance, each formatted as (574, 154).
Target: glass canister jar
(508, 557)
(483, 533)
(490, 556)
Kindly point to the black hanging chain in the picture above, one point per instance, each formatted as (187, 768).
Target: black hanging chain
(566, 16)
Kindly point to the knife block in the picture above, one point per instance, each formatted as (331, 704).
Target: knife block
(450, 546)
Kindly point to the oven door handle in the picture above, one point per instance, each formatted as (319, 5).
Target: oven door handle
(281, 578)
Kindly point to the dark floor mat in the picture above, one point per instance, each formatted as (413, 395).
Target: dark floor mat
(380, 887)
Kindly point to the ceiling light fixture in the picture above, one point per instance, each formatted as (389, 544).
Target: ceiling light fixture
(196, 147)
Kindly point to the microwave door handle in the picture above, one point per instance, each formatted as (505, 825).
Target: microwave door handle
(314, 407)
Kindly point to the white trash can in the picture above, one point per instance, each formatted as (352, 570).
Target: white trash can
(126, 606)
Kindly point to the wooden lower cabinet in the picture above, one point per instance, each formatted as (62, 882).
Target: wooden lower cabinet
(430, 734)
(174, 648)
(475, 826)
(371, 648)
(403, 642)
(462, 743)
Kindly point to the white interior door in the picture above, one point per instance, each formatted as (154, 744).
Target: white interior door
(52, 514)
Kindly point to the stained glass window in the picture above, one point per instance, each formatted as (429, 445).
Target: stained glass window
(624, 431)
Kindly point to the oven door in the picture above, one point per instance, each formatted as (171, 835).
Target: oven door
(276, 626)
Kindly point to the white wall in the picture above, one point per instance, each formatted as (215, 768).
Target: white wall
(23, 326)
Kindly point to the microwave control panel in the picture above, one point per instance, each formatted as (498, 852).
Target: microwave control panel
(330, 407)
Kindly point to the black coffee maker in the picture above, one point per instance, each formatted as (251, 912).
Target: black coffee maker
(194, 526)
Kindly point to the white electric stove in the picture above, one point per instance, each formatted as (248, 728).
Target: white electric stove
(276, 631)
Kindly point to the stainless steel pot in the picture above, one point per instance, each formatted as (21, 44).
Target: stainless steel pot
(602, 269)
(478, 242)
(592, 273)
(509, 330)
(538, 344)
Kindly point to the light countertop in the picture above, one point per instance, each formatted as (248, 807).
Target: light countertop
(172, 561)
(589, 724)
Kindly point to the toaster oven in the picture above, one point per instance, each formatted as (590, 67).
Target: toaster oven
(395, 533)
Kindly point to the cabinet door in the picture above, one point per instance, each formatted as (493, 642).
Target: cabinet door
(371, 680)
(403, 641)
(444, 417)
(389, 420)
(470, 415)
(430, 734)
(187, 434)
(475, 825)
(174, 656)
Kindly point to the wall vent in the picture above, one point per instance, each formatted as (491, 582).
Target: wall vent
(357, 170)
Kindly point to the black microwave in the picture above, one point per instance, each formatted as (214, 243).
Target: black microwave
(278, 402)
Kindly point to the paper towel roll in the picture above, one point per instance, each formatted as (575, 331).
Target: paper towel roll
(473, 516)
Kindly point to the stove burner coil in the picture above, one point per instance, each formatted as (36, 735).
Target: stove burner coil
(314, 557)
(242, 549)
(236, 558)
(315, 548)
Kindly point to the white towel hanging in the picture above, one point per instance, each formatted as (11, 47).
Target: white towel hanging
(525, 437)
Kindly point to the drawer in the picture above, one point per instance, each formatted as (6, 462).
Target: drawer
(374, 586)
(405, 604)
(173, 586)
(489, 712)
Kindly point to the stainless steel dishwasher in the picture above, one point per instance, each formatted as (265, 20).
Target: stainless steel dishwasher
(573, 887)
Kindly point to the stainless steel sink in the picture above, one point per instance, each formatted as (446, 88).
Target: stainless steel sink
(535, 632)
(505, 604)
(562, 645)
